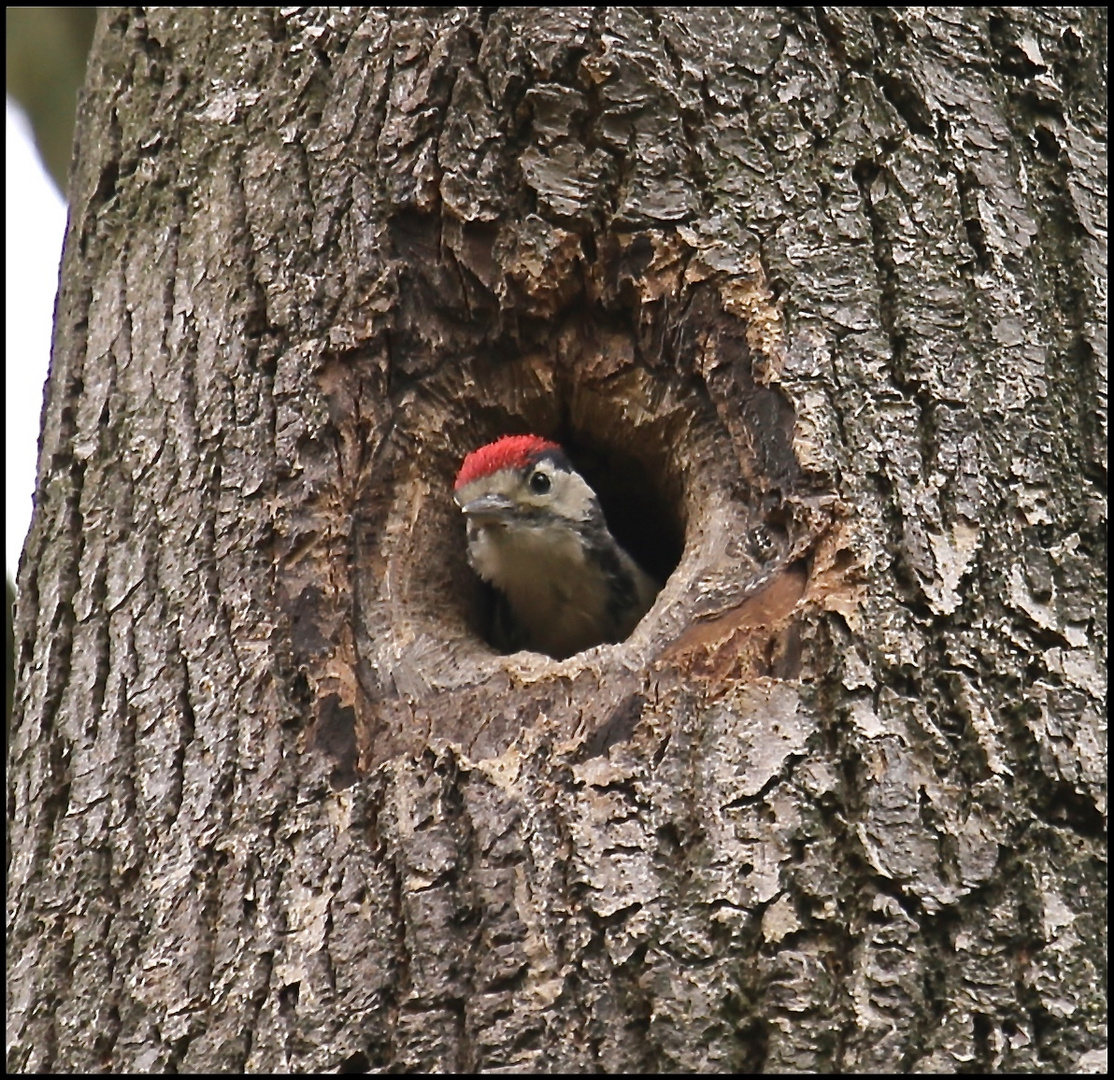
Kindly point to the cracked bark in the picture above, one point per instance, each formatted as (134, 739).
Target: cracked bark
(824, 290)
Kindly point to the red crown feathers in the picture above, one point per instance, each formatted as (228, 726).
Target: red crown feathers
(509, 452)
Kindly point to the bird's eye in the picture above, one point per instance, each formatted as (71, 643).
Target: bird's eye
(539, 483)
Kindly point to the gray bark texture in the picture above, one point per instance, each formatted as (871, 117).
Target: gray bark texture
(815, 298)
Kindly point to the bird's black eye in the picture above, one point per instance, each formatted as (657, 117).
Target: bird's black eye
(539, 483)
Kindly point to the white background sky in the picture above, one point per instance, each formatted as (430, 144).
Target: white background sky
(36, 220)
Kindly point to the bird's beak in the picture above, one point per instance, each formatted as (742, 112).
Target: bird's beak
(489, 507)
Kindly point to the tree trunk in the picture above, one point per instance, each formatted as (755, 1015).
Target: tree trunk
(815, 300)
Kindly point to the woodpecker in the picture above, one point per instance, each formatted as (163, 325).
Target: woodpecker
(537, 534)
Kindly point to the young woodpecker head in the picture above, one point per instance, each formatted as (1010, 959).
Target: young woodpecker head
(536, 532)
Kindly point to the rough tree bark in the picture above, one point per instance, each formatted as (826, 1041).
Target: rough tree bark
(815, 298)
